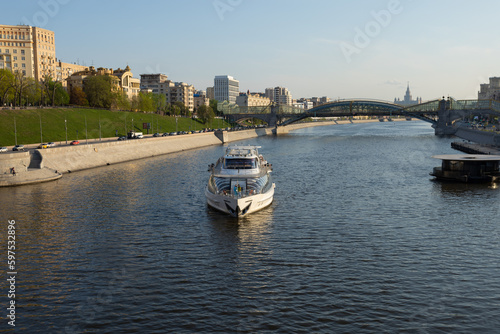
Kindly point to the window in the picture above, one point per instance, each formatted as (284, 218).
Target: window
(15, 50)
(15, 57)
(24, 65)
(22, 52)
(15, 65)
(23, 58)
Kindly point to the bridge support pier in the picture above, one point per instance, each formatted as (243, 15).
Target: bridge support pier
(222, 135)
(280, 130)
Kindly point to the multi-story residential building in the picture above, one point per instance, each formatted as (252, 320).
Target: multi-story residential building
(490, 90)
(279, 95)
(319, 100)
(17, 49)
(65, 70)
(128, 84)
(29, 50)
(226, 88)
(78, 79)
(252, 100)
(210, 93)
(44, 53)
(200, 98)
(306, 103)
(122, 80)
(32, 52)
(173, 91)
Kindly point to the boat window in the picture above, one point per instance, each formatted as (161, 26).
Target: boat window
(240, 163)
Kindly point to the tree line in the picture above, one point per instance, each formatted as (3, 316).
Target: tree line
(18, 90)
(98, 91)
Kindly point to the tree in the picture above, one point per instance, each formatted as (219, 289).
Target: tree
(121, 101)
(180, 108)
(32, 92)
(99, 91)
(205, 114)
(55, 92)
(213, 104)
(6, 85)
(78, 97)
(146, 102)
(20, 84)
(159, 102)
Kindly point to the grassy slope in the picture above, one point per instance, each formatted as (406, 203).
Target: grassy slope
(28, 124)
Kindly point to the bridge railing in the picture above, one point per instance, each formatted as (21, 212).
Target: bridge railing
(475, 105)
(231, 108)
(430, 106)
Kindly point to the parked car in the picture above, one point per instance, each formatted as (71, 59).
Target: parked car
(18, 148)
(156, 135)
(43, 145)
(165, 134)
(75, 142)
(140, 136)
(172, 134)
(51, 144)
(3, 149)
(122, 138)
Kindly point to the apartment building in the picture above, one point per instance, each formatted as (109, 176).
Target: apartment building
(174, 91)
(32, 52)
(121, 79)
(279, 95)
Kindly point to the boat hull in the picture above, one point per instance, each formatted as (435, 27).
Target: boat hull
(239, 206)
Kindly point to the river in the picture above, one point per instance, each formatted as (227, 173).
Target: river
(359, 239)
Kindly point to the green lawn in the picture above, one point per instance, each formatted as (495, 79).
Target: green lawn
(112, 123)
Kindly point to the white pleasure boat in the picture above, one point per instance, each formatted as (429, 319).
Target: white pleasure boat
(240, 182)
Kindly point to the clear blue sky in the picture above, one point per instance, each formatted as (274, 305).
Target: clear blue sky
(340, 49)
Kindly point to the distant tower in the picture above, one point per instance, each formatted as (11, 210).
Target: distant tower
(407, 100)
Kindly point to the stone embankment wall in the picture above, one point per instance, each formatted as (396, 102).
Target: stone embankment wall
(478, 136)
(20, 161)
(72, 158)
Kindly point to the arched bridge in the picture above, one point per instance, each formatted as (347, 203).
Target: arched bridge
(441, 113)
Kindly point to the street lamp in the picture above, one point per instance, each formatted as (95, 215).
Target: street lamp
(41, 137)
(86, 138)
(66, 129)
(15, 130)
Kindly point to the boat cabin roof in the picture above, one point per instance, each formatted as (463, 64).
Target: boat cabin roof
(467, 157)
(233, 152)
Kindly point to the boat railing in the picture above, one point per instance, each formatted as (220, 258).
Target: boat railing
(238, 194)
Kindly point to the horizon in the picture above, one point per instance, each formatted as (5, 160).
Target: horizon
(342, 50)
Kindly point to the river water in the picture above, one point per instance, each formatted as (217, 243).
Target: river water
(359, 239)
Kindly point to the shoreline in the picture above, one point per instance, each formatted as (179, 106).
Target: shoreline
(50, 164)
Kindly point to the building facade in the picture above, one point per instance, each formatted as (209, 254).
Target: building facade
(252, 100)
(210, 93)
(279, 95)
(128, 84)
(32, 52)
(173, 91)
(407, 100)
(226, 88)
(29, 50)
(200, 98)
(490, 91)
(121, 80)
